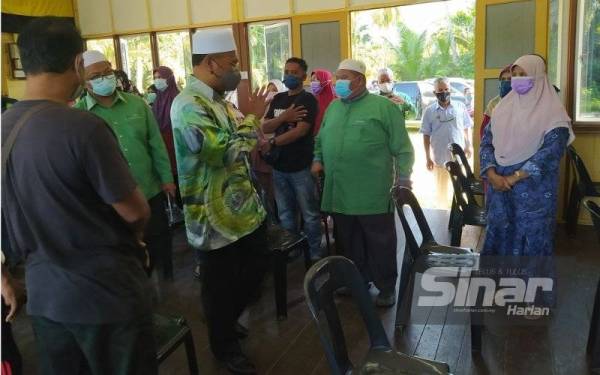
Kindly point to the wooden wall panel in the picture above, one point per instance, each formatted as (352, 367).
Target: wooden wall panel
(304, 6)
(218, 11)
(130, 15)
(171, 13)
(94, 17)
(266, 8)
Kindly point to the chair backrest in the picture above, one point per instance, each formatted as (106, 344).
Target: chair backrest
(320, 283)
(582, 175)
(459, 155)
(405, 197)
(462, 191)
(594, 210)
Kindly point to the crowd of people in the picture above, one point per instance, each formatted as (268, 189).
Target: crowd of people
(84, 187)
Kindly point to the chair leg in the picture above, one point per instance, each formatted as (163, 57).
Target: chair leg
(476, 324)
(280, 280)
(456, 232)
(452, 213)
(190, 351)
(593, 344)
(573, 210)
(404, 306)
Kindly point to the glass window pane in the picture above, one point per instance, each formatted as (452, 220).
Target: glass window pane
(587, 89)
(136, 56)
(106, 46)
(174, 51)
(554, 41)
(269, 49)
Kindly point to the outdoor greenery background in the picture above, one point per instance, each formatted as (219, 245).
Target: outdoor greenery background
(380, 38)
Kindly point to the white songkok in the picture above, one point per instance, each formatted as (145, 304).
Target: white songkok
(210, 41)
(92, 57)
(354, 65)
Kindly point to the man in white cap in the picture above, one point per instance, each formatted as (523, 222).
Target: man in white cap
(363, 149)
(223, 214)
(133, 122)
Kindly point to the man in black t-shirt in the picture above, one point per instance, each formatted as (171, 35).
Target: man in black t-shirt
(291, 118)
(74, 213)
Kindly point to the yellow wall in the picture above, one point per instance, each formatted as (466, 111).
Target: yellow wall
(13, 88)
(59, 8)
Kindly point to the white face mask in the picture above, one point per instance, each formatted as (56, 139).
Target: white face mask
(386, 87)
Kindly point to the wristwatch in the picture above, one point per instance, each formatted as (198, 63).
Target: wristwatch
(272, 142)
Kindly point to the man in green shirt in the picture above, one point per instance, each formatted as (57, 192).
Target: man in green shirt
(139, 138)
(224, 217)
(363, 149)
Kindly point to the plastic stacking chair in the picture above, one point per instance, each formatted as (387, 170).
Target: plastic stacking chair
(320, 283)
(169, 334)
(582, 186)
(475, 184)
(418, 258)
(468, 211)
(593, 345)
(284, 247)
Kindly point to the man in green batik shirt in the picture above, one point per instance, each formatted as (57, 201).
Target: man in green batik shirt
(223, 214)
(136, 129)
(363, 149)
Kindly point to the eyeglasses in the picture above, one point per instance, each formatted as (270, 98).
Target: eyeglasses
(101, 76)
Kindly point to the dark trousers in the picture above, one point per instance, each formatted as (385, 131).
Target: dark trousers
(158, 236)
(370, 242)
(126, 348)
(11, 357)
(230, 278)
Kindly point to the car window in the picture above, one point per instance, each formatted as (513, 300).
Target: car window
(411, 89)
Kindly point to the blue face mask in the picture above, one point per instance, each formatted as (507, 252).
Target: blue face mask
(504, 88)
(160, 84)
(151, 97)
(104, 86)
(291, 82)
(342, 88)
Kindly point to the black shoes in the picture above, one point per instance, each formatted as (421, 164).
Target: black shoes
(239, 364)
(241, 332)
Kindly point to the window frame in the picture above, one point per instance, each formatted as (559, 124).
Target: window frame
(592, 126)
(156, 45)
(153, 51)
(288, 21)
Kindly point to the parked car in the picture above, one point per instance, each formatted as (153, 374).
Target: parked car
(421, 94)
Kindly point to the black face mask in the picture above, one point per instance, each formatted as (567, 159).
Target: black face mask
(443, 96)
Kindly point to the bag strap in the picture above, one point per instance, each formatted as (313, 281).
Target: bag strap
(12, 136)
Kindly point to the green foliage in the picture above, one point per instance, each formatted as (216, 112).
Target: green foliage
(387, 41)
(174, 51)
(269, 49)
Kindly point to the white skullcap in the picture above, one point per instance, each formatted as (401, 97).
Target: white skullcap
(386, 71)
(354, 65)
(209, 41)
(92, 57)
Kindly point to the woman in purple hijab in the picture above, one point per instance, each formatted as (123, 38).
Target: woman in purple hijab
(167, 90)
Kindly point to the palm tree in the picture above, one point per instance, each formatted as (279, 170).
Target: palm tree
(410, 60)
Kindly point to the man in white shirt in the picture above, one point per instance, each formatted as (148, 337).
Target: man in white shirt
(444, 122)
